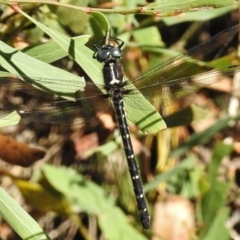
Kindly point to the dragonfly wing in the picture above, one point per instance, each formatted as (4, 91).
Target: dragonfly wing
(184, 65)
(40, 106)
(164, 93)
(61, 112)
(14, 83)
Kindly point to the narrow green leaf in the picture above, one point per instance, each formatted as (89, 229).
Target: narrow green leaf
(198, 16)
(175, 7)
(164, 177)
(47, 52)
(17, 63)
(218, 228)
(22, 223)
(204, 136)
(80, 53)
(50, 51)
(220, 151)
(215, 197)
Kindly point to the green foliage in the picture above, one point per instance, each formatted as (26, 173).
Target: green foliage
(213, 212)
(91, 198)
(204, 136)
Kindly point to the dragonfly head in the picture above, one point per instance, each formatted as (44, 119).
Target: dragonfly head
(108, 49)
(108, 53)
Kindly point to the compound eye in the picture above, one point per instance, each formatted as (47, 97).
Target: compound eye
(116, 52)
(102, 55)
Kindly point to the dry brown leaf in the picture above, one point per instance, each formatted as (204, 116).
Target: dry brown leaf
(17, 153)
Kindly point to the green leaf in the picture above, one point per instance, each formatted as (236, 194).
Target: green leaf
(106, 148)
(22, 223)
(220, 151)
(10, 120)
(117, 229)
(74, 19)
(50, 51)
(17, 62)
(198, 16)
(147, 36)
(218, 229)
(73, 186)
(47, 52)
(196, 176)
(101, 20)
(166, 176)
(215, 197)
(80, 53)
(175, 7)
(148, 120)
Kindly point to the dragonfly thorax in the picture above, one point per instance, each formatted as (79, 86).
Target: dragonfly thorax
(112, 74)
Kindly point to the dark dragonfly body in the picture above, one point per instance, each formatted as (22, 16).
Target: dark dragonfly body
(161, 86)
(114, 82)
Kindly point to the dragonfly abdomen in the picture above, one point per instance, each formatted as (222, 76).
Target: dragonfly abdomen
(132, 164)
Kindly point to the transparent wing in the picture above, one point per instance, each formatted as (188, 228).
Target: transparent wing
(183, 64)
(175, 78)
(63, 112)
(83, 109)
(15, 83)
(166, 93)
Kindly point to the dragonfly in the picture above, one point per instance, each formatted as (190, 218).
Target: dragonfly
(161, 85)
